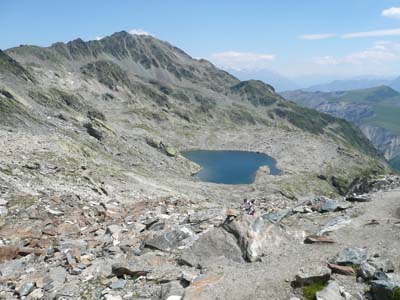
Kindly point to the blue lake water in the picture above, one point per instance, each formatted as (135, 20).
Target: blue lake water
(230, 167)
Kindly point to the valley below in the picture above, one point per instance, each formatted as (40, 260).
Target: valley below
(97, 201)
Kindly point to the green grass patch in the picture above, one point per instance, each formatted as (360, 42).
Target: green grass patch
(310, 291)
(395, 294)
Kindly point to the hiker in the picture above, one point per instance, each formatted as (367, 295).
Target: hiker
(248, 207)
(252, 207)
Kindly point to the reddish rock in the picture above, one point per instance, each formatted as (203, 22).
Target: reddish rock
(343, 270)
(232, 212)
(312, 239)
(8, 253)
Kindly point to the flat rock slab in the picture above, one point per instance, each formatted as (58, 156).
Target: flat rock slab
(334, 224)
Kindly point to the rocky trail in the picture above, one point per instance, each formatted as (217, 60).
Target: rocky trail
(64, 247)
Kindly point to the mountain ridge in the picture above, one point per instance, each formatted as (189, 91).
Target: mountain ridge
(112, 59)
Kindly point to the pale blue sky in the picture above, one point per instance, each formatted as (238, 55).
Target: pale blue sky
(293, 37)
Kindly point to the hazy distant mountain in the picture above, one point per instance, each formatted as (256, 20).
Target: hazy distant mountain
(395, 84)
(278, 81)
(349, 84)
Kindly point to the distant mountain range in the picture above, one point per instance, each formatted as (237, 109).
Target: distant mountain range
(355, 84)
(283, 83)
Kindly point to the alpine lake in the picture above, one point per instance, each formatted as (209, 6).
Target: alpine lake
(230, 167)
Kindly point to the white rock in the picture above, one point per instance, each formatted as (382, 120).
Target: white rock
(111, 297)
(36, 294)
(3, 211)
(174, 298)
(54, 212)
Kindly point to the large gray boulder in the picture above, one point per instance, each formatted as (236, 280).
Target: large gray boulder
(214, 243)
(385, 289)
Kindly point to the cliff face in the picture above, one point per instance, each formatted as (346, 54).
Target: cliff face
(351, 112)
(383, 140)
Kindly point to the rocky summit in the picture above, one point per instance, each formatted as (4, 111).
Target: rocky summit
(96, 201)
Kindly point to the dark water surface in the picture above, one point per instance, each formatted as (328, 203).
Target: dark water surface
(230, 167)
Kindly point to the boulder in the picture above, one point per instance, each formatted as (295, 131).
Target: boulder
(375, 268)
(328, 206)
(118, 284)
(170, 240)
(382, 264)
(385, 289)
(8, 253)
(366, 271)
(114, 229)
(255, 236)
(203, 287)
(3, 211)
(215, 242)
(351, 257)
(25, 289)
(57, 277)
(171, 290)
(169, 150)
(121, 270)
(37, 294)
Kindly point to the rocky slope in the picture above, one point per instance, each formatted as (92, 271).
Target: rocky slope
(97, 203)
